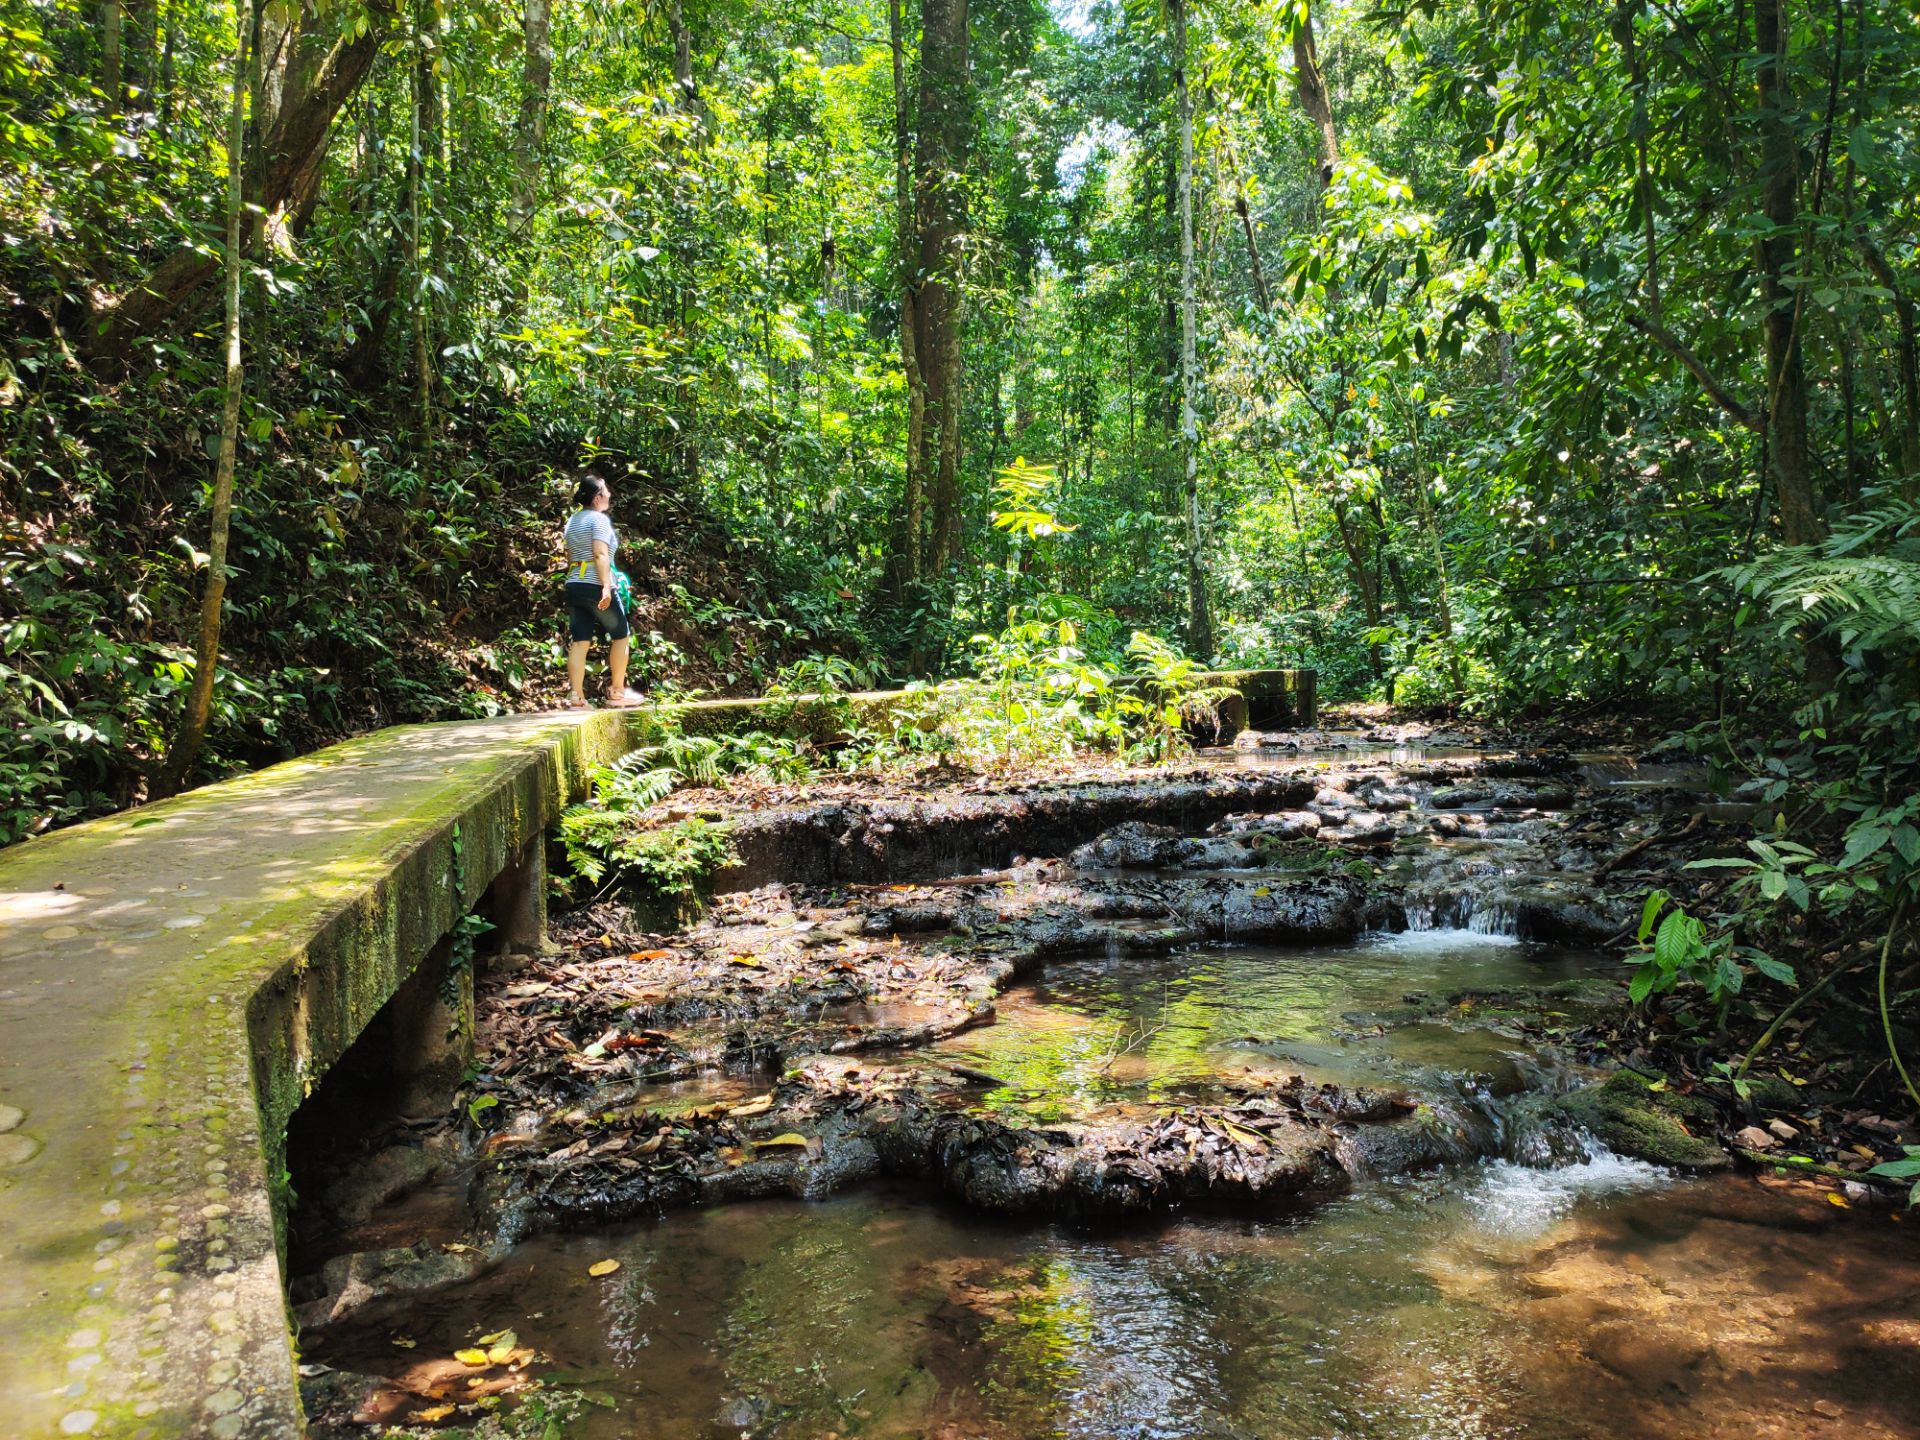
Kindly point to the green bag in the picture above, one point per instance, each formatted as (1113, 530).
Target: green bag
(622, 591)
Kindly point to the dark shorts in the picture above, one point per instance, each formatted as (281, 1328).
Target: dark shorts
(588, 620)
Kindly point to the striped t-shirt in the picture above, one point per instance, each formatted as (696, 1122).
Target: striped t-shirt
(583, 529)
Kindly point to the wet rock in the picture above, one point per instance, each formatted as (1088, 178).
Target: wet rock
(354, 1281)
(1660, 1126)
(1134, 845)
(895, 840)
(1651, 1357)
(1459, 797)
(377, 1180)
(1322, 907)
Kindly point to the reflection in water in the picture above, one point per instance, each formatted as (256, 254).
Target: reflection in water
(1128, 1029)
(1598, 1300)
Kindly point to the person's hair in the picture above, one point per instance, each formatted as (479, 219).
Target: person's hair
(588, 490)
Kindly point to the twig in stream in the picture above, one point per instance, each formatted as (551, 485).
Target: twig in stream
(990, 877)
(1659, 837)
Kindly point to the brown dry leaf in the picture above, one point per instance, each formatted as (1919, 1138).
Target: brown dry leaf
(648, 1147)
(650, 955)
(602, 1267)
(759, 1105)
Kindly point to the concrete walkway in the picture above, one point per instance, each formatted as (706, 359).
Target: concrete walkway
(172, 980)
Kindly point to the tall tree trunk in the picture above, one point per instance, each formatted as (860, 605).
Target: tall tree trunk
(193, 721)
(145, 69)
(1311, 83)
(419, 126)
(944, 115)
(295, 145)
(113, 79)
(686, 437)
(1199, 616)
(1786, 411)
(1906, 353)
(907, 543)
(530, 134)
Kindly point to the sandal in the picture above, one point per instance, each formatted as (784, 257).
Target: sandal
(575, 705)
(625, 699)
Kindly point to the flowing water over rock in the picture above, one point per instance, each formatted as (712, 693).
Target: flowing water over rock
(1602, 1299)
(1409, 1236)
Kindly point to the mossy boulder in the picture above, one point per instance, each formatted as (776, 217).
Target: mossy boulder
(1628, 1115)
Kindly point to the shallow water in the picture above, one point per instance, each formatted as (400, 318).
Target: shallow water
(1475, 1302)
(1596, 1300)
(1103, 1032)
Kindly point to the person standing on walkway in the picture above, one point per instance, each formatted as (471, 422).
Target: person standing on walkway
(598, 596)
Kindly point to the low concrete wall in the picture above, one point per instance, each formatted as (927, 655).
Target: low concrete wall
(174, 981)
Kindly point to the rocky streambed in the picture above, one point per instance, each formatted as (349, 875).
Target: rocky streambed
(1262, 988)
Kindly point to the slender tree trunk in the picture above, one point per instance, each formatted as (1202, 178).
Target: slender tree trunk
(686, 439)
(1800, 522)
(113, 80)
(1906, 354)
(530, 134)
(1311, 83)
(904, 569)
(944, 112)
(163, 86)
(1199, 617)
(193, 721)
(418, 128)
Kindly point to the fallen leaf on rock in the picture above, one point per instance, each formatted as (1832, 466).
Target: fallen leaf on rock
(752, 962)
(404, 1343)
(431, 1414)
(1754, 1138)
(602, 1267)
(500, 1346)
(790, 1138)
(650, 955)
(1835, 1198)
(759, 1105)
(475, 1358)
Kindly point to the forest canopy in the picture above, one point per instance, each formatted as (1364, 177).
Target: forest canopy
(1503, 356)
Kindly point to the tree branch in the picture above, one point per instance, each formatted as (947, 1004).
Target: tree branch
(1721, 395)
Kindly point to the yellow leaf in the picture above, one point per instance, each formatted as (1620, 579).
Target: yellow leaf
(1835, 1198)
(603, 1267)
(789, 1139)
(751, 961)
(900, 889)
(431, 1414)
(502, 1350)
(471, 1357)
(404, 1343)
(1263, 890)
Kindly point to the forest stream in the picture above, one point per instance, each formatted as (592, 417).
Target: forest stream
(1073, 1153)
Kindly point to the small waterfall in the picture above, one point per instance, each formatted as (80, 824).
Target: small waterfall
(1476, 912)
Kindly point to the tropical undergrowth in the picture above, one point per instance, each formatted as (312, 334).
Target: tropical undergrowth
(1793, 957)
(1035, 697)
